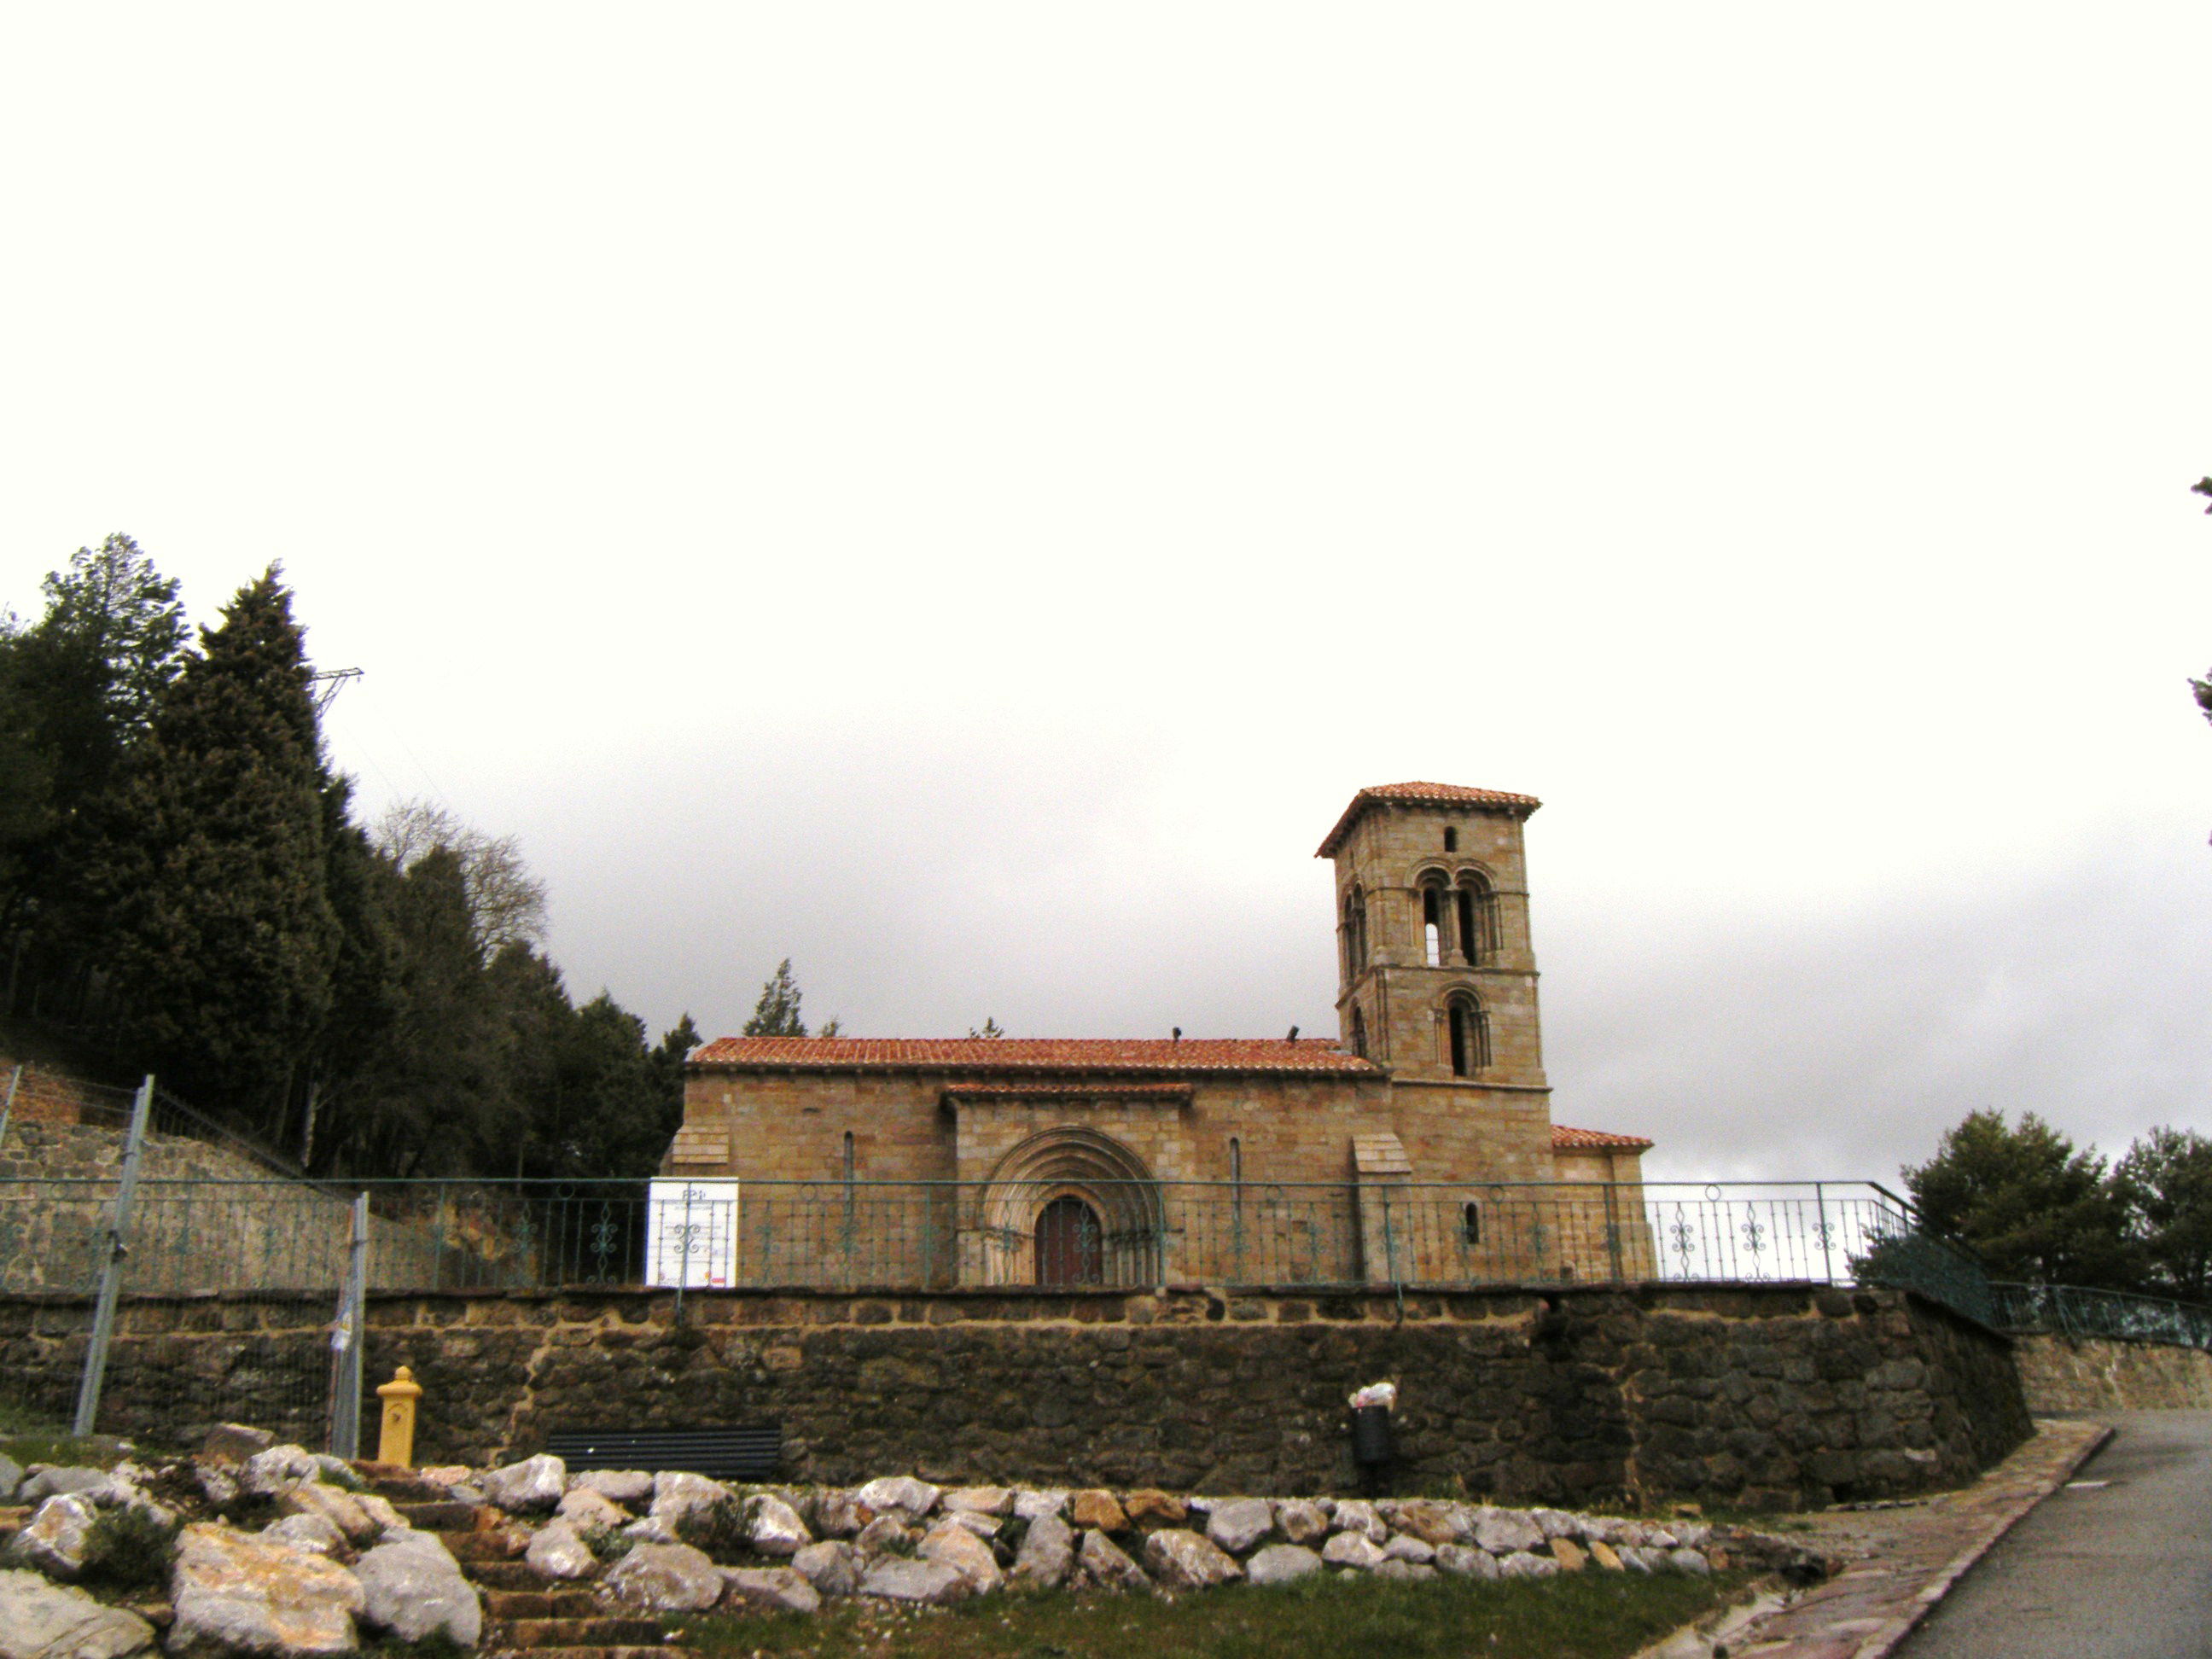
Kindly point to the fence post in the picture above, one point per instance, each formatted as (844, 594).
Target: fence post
(1613, 1227)
(111, 1272)
(349, 1337)
(7, 1109)
(1820, 1220)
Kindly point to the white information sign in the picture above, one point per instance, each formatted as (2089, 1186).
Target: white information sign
(692, 1234)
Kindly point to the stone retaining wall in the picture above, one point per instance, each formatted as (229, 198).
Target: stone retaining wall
(2064, 1374)
(1774, 1397)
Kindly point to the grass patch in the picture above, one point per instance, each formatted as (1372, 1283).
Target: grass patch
(1587, 1615)
(30, 1436)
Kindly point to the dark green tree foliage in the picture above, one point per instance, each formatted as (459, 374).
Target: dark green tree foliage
(77, 690)
(211, 872)
(2166, 1183)
(2031, 1206)
(776, 1013)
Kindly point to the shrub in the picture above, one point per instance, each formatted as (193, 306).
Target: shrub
(130, 1548)
(608, 1544)
(718, 1528)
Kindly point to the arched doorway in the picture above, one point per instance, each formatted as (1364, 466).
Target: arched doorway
(1070, 1244)
(1068, 1205)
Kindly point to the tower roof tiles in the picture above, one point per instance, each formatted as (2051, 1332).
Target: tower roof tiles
(1424, 794)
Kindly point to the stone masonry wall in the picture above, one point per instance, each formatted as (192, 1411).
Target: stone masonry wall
(1769, 1397)
(2061, 1374)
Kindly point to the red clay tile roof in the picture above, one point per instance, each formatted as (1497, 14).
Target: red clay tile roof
(1051, 1089)
(1564, 1139)
(1424, 794)
(1029, 1054)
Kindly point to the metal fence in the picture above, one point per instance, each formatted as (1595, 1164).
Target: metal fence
(271, 1235)
(2071, 1310)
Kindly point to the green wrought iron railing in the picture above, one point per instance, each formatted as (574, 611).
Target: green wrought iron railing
(2074, 1310)
(702, 1235)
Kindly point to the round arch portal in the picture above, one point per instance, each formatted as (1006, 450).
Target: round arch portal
(1070, 1206)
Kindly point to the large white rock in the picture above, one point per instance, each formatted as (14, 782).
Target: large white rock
(1394, 1568)
(1047, 1552)
(411, 1586)
(1106, 1563)
(1238, 1523)
(1182, 1559)
(1521, 1564)
(1404, 1547)
(269, 1472)
(1353, 1549)
(1282, 1563)
(840, 1515)
(979, 1500)
(536, 1483)
(379, 1509)
(557, 1550)
(234, 1594)
(1557, 1523)
(963, 1552)
(1466, 1561)
(51, 1479)
(777, 1589)
(584, 1509)
(1358, 1514)
(54, 1541)
(1506, 1532)
(41, 1620)
(676, 1494)
(11, 1477)
(342, 1509)
(1688, 1560)
(981, 1525)
(1034, 1505)
(773, 1527)
(895, 1578)
(832, 1566)
(663, 1578)
(900, 1491)
(1431, 1519)
(629, 1487)
(1301, 1520)
(318, 1532)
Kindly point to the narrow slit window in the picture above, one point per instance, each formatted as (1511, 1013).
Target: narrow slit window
(848, 1158)
(1470, 1223)
(1451, 841)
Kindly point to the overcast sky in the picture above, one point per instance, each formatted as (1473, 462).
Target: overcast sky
(961, 496)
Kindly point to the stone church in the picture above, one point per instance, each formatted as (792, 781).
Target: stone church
(1418, 1146)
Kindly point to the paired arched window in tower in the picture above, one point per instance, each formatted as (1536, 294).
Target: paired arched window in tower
(1459, 918)
(1466, 1035)
(1355, 932)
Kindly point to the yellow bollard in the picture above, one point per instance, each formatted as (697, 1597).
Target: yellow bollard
(397, 1444)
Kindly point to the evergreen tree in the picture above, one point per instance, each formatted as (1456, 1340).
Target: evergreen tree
(210, 867)
(2166, 1181)
(2024, 1200)
(77, 690)
(776, 1013)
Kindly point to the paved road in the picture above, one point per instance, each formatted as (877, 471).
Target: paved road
(2118, 1571)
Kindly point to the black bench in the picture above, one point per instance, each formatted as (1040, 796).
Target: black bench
(746, 1454)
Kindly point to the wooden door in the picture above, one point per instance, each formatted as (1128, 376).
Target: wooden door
(1070, 1244)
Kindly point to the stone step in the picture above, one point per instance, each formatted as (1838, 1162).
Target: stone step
(438, 1515)
(467, 1547)
(539, 1603)
(535, 1633)
(507, 1575)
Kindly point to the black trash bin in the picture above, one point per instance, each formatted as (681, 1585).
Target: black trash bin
(1371, 1448)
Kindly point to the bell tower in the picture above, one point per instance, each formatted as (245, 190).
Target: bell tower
(1436, 977)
